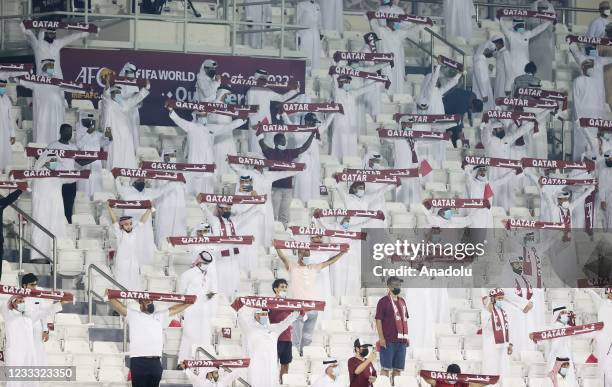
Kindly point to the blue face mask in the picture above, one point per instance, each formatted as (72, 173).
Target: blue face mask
(229, 99)
(448, 214)
(564, 318)
(397, 25)
(264, 320)
(520, 30)
(346, 87)
(500, 304)
(2, 92)
(593, 53)
(50, 72)
(119, 98)
(345, 225)
(307, 260)
(53, 165)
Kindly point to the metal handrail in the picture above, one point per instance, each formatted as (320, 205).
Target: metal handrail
(201, 350)
(21, 239)
(91, 293)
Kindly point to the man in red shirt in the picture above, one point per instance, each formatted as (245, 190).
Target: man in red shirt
(283, 345)
(360, 367)
(392, 327)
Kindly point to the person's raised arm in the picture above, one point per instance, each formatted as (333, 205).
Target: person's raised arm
(495, 183)
(307, 144)
(286, 96)
(451, 83)
(280, 327)
(118, 306)
(363, 89)
(246, 215)
(522, 130)
(505, 29)
(176, 309)
(71, 38)
(283, 258)
(365, 364)
(581, 198)
(340, 192)
(208, 215)
(146, 216)
(328, 120)
(180, 122)
(278, 175)
(221, 129)
(375, 26)
(537, 30)
(373, 197)
(29, 36)
(262, 143)
(579, 57)
(112, 214)
(46, 309)
(331, 261)
(137, 98)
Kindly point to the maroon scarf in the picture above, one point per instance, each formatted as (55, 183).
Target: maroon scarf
(401, 18)
(45, 173)
(66, 153)
(151, 296)
(274, 303)
(522, 13)
(85, 27)
(217, 363)
(337, 70)
(326, 107)
(183, 167)
(37, 293)
(294, 245)
(567, 331)
(148, 174)
(265, 163)
(401, 317)
(591, 41)
(416, 134)
(446, 377)
(231, 199)
(364, 56)
(205, 240)
(602, 125)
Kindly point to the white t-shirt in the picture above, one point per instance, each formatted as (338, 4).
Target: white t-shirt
(146, 332)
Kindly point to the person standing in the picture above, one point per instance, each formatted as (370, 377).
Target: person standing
(503, 69)
(361, 366)
(128, 91)
(146, 328)
(170, 218)
(331, 372)
(5, 201)
(528, 79)
(208, 81)
(282, 190)
(7, 128)
(458, 16)
(332, 12)
(69, 188)
(89, 139)
(47, 46)
(211, 377)
(603, 347)
(200, 280)
(481, 80)
(542, 47)
(261, 341)
(129, 240)
(597, 28)
(392, 327)
(283, 345)
(308, 14)
(304, 287)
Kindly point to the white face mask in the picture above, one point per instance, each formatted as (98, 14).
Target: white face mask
(563, 371)
(265, 321)
(282, 294)
(21, 307)
(202, 120)
(281, 147)
(335, 372)
(565, 205)
(346, 87)
(564, 318)
(606, 12)
(589, 72)
(360, 193)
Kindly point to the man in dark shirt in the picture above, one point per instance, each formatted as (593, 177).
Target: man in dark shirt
(461, 101)
(283, 345)
(5, 202)
(282, 189)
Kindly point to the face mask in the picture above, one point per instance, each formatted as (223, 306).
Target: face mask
(500, 304)
(335, 371)
(606, 12)
(364, 352)
(346, 87)
(211, 73)
(119, 98)
(360, 193)
(49, 38)
(608, 163)
(230, 99)
(520, 30)
(589, 72)
(282, 294)
(448, 215)
(563, 371)
(246, 188)
(500, 134)
(130, 75)
(565, 205)
(396, 291)
(49, 72)
(20, 307)
(355, 65)
(345, 226)
(150, 308)
(481, 178)
(264, 320)
(172, 160)
(397, 25)
(226, 214)
(593, 53)
(2, 92)
(53, 165)
(307, 261)
(518, 270)
(564, 318)
(139, 186)
(202, 120)
(281, 147)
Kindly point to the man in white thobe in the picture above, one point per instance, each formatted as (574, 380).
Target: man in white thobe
(603, 347)
(201, 280)
(200, 143)
(597, 28)
(518, 39)
(308, 14)
(90, 139)
(481, 80)
(330, 376)
(127, 92)
(47, 46)
(261, 338)
(332, 12)
(7, 128)
(118, 117)
(211, 377)
(127, 265)
(458, 17)
(503, 68)
(170, 218)
(208, 81)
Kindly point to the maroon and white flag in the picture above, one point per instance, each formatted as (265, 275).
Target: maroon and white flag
(456, 203)
(129, 204)
(240, 81)
(313, 231)
(294, 245)
(20, 174)
(231, 199)
(452, 63)
(234, 111)
(325, 107)
(48, 24)
(508, 115)
(204, 240)
(514, 223)
(402, 18)
(416, 134)
(364, 57)
(66, 153)
(550, 334)
(526, 102)
(532, 92)
(406, 172)
(446, 377)
(557, 164)
(217, 363)
(561, 181)
(125, 81)
(56, 295)
(19, 68)
(367, 178)
(523, 13)
(282, 128)
(602, 125)
(426, 118)
(65, 84)
(274, 303)
(492, 162)
(20, 185)
(148, 174)
(337, 70)
(179, 167)
(265, 163)
(591, 41)
(337, 212)
(150, 296)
